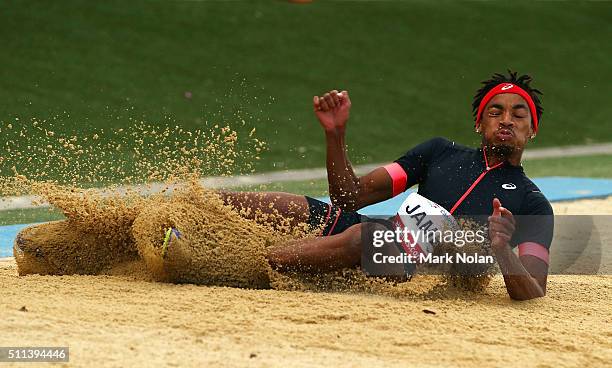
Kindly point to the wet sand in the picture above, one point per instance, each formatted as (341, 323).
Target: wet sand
(122, 320)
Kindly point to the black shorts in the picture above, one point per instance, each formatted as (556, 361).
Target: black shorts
(331, 219)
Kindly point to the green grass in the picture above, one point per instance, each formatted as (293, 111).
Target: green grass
(598, 166)
(588, 166)
(411, 68)
(29, 216)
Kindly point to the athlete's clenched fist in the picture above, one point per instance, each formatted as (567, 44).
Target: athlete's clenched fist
(332, 110)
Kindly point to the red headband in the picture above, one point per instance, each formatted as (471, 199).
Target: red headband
(509, 88)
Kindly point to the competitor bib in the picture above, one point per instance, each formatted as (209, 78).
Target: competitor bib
(418, 218)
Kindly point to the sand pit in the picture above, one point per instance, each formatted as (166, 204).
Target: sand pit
(121, 319)
(116, 320)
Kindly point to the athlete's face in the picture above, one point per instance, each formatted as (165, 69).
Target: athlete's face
(506, 121)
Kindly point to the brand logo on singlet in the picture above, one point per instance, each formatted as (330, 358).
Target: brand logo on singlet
(507, 86)
(508, 186)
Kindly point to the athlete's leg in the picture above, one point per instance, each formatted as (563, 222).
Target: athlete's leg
(319, 253)
(291, 207)
(342, 250)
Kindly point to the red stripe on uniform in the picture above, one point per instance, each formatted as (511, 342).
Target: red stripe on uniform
(335, 222)
(326, 219)
(467, 192)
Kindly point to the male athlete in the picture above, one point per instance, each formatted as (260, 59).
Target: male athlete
(465, 181)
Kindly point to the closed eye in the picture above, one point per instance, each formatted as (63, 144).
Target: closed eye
(520, 111)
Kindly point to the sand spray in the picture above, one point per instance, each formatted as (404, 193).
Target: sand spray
(119, 228)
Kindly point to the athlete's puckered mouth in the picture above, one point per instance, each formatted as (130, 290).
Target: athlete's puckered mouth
(504, 134)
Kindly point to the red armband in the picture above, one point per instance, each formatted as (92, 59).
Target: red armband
(534, 249)
(398, 177)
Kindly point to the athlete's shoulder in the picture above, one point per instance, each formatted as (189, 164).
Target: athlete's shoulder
(441, 144)
(431, 150)
(436, 142)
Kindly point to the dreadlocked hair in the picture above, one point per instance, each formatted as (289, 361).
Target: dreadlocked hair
(512, 77)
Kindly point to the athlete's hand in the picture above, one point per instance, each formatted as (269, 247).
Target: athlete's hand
(332, 110)
(501, 225)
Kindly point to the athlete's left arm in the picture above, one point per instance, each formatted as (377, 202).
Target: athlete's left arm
(524, 275)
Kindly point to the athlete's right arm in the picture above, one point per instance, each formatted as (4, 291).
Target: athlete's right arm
(346, 189)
